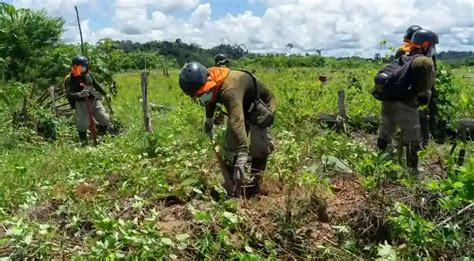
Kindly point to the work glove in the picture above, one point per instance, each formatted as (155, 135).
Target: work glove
(239, 167)
(83, 93)
(97, 95)
(208, 124)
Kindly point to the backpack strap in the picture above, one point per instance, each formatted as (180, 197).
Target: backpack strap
(407, 58)
(257, 94)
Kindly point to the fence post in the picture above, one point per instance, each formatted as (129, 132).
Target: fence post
(146, 111)
(341, 104)
(53, 99)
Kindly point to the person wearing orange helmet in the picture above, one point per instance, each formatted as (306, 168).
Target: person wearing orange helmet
(405, 48)
(426, 113)
(221, 60)
(403, 113)
(84, 94)
(250, 106)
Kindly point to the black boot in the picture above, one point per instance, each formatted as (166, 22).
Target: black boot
(101, 130)
(412, 156)
(382, 144)
(255, 187)
(425, 128)
(82, 136)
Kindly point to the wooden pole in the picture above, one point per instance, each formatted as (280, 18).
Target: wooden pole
(53, 99)
(341, 99)
(80, 30)
(146, 112)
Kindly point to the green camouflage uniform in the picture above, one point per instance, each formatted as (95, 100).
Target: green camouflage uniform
(237, 94)
(79, 103)
(423, 112)
(404, 113)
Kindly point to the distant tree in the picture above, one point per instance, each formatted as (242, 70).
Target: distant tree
(232, 51)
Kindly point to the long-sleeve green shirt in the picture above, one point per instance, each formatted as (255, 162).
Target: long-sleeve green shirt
(237, 94)
(72, 90)
(422, 69)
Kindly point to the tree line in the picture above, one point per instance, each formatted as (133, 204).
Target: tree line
(31, 50)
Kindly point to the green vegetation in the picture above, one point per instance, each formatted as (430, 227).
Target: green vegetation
(140, 195)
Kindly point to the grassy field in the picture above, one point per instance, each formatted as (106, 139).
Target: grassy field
(158, 195)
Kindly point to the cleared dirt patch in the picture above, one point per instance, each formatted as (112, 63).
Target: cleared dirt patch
(347, 198)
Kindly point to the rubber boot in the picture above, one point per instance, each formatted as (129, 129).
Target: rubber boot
(101, 130)
(412, 157)
(382, 144)
(425, 128)
(82, 137)
(258, 168)
(230, 170)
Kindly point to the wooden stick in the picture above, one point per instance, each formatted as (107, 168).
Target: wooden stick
(341, 97)
(80, 30)
(53, 99)
(455, 215)
(146, 112)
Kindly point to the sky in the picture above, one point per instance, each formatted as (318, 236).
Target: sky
(337, 27)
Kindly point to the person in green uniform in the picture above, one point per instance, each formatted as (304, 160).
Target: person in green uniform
(221, 60)
(250, 105)
(78, 85)
(404, 113)
(426, 113)
(405, 47)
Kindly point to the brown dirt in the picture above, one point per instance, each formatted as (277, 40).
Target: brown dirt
(175, 219)
(85, 190)
(349, 196)
(45, 210)
(261, 214)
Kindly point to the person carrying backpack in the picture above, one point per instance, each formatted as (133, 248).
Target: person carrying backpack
(402, 87)
(84, 94)
(405, 47)
(426, 113)
(250, 106)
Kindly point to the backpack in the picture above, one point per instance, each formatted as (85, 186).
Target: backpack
(260, 113)
(394, 81)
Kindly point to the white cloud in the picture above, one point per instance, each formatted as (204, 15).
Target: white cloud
(54, 7)
(71, 33)
(338, 27)
(161, 5)
(132, 20)
(160, 20)
(174, 5)
(201, 15)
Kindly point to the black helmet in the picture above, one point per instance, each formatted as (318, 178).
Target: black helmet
(192, 76)
(80, 60)
(410, 31)
(423, 35)
(220, 59)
